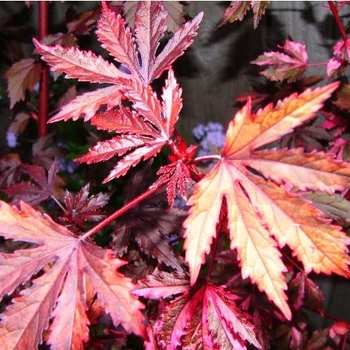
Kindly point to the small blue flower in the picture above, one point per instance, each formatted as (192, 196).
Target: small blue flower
(11, 138)
(216, 138)
(208, 136)
(199, 131)
(213, 126)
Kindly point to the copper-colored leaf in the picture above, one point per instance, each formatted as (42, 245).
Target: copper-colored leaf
(236, 11)
(263, 215)
(22, 76)
(59, 292)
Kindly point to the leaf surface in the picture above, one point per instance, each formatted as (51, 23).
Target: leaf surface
(287, 65)
(146, 128)
(263, 215)
(81, 65)
(209, 318)
(40, 188)
(22, 76)
(66, 261)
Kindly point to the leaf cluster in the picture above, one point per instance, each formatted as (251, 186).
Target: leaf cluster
(192, 256)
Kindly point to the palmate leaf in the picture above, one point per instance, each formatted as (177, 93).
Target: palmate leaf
(39, 189)
(287, 65)
(149, 124)
(150, 26)
(263, 216)
(206, 319)
(149, 224)
(69, 267)
(145, 131)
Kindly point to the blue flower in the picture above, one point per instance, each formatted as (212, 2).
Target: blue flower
(208, 136)
(11, 138)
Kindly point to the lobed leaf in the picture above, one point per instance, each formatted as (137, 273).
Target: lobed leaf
(39, 189)
(150, 26)
(87, 104)
(263, 215)
(287, 65)
(65, 261)
(81, 65)
(250, 131)
(176, 46)
(118, 39)
(208, 318)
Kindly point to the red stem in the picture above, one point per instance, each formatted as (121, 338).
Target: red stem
(338, 20)
(122, 210)
(44, 81)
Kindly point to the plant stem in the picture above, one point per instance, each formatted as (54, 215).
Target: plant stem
(44, 81)
(59, 204)
(338, 20)
(151, 190)
(208, 158)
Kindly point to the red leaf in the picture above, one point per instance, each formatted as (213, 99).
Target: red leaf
(82, 207)
(177, 176)
(59, 293)
(208, 318)
(162, 284)
(156, 119)
(39, 189)
(149, 28)
(88, 103)
(81, 65)
(288, 65)
(117, 39)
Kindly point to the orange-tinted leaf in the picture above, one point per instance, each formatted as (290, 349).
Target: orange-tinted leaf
(262, 214)
(66, 262)
(22, 76)
(250, 131)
